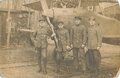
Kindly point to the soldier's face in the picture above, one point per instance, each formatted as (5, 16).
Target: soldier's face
(42, 23)
(92, 22)
(77, 21)
(60, 25)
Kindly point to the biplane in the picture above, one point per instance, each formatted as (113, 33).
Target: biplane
(110, 27)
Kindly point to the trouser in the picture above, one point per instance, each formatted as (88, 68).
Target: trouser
(42, 57)
(58, 58)
(79, 52)
(93, 59)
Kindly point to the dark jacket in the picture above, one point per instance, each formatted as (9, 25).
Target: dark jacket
(78, 36)
(63, 39)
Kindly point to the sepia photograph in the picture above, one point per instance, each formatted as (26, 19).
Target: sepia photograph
(59, 38)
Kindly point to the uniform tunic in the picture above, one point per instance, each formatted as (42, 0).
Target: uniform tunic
(94, 37)
(63, 39)
(41, 37)
(78, 36)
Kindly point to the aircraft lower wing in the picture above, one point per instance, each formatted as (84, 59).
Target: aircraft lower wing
(113, 41)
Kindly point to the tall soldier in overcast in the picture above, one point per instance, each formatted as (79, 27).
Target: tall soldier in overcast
(94, 43)
(78, 40)
(41, 44)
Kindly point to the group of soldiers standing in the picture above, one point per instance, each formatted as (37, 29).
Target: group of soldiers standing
(76, 39)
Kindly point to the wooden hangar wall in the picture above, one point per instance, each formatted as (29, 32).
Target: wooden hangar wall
(19, 16)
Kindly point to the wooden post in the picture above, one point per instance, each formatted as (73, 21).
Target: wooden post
(79, 3)
(28, 23)
(101, 10)
(52, 28)
(8, 25)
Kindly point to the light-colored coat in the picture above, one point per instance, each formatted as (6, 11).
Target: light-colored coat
(94, 37)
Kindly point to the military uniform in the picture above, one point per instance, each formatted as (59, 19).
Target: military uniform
(94, 37)
(41, 44)
(93, 42)
(78, 38)
(63, 41)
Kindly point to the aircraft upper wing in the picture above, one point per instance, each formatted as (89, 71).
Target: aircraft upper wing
(34, 5)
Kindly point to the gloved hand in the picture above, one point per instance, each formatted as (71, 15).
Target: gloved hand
(68, 47)
(71, 46)
(53, 35)
(98, 48)
(83, 46)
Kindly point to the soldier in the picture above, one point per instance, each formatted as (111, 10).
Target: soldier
(40, 42)
(62, 35)
(94, 43)
(78, 40)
